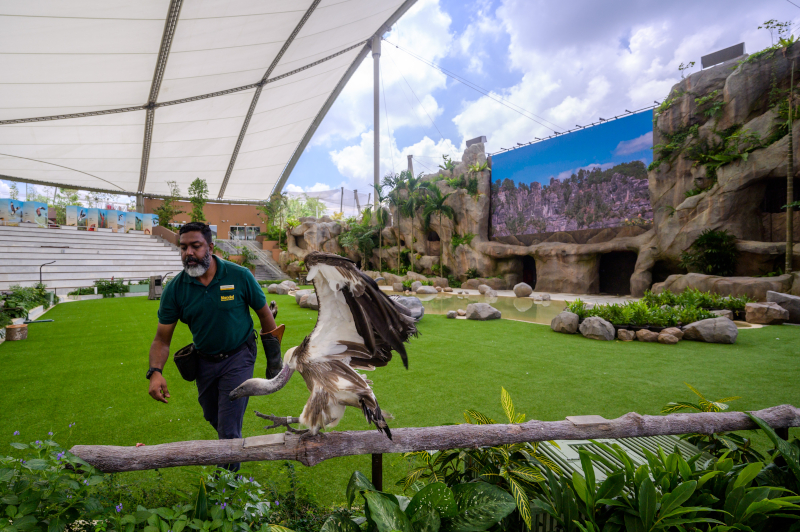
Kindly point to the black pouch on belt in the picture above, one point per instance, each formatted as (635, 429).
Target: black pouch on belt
(187, 361)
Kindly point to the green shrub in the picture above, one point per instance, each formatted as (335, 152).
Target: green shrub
(655, 490)
(84, 291)
(108, 287)
(713, 253)
(459, 240)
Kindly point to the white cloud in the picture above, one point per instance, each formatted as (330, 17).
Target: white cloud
(355, 161)
(423, 30)
(316, 187)
(568, 173)
(5, 190)
(589, 61)
(627, 147)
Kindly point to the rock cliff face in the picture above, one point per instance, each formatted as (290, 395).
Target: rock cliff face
(586, 200)
(720, 154)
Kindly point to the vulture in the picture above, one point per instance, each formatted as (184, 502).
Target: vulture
(357, 328)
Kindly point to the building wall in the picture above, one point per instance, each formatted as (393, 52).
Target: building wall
(222, 215)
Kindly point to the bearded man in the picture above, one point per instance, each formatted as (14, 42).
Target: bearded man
(214, 297)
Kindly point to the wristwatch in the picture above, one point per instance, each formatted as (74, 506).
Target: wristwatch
(153, 370)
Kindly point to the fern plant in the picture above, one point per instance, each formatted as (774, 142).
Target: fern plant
(713, 253)
(723, 443)
(516, 468)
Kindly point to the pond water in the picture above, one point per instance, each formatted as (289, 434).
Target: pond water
(515, 308)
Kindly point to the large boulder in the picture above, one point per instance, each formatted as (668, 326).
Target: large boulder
(765, 313)
(490, 293)
(673, 331)
(664, 338)
(565, 322)
(426, 290)
(289, 284)
(412, 305)
(753, 287)
(415, 285)
(309, 301)
(272, 289)
(712, 330)
(482, 289)
(625, 335)
(723, 313)
(470, 284)
(523, 290)
(646, 335)
(787, 301)
(597, 329)
(482, 312)
(451, 314)
(397, 287)
(300, 293)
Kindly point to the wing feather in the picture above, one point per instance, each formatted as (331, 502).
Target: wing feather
(356, 321)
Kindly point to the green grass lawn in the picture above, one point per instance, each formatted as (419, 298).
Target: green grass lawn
(88, 366)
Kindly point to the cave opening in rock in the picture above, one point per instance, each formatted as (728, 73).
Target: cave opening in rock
(433, 242)
(529, 271)
(775, 195)
(663, 269)
(300, 241)
(616, 269)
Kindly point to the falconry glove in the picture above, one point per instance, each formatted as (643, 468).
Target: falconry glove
(271, 341)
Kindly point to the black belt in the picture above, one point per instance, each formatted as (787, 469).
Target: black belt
(251, 341)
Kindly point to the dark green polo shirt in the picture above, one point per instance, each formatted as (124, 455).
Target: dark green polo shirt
(218, 314)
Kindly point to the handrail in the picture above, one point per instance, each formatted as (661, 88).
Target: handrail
(264, 258)
(311, 451)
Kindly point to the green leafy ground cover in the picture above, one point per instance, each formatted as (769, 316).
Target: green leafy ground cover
(87, 368)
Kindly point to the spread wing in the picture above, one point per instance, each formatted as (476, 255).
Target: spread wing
(357, 323)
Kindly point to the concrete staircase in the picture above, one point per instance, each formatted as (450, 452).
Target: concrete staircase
(266, 268)
(81, 257)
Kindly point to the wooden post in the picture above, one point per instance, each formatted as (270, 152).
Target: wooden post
(311, 451)
(377, 471)
(16, 332)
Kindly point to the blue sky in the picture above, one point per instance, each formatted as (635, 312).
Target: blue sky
(564, 63)
(604, 145)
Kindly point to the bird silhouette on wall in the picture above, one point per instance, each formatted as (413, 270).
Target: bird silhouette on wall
(357, 328)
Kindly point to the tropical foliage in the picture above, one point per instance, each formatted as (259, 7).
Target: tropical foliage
(713, 253)
(722, 443)
(692, 297)
(198, 196)
(640, 313)
(168, 209)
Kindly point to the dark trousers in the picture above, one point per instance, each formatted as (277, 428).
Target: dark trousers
(215, 381)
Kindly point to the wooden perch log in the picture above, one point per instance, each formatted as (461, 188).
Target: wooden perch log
(314, 450)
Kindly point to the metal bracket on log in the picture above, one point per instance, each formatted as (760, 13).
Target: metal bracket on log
(312, 451)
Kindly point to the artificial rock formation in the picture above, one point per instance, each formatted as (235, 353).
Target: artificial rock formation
(728, 109)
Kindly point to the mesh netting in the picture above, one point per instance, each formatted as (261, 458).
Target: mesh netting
(350, 202)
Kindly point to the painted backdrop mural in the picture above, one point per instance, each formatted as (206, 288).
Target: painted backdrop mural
(592, 178)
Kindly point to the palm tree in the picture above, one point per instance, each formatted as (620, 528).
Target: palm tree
(412, 204)
(380, 218)
(397, 182)
(434, 203)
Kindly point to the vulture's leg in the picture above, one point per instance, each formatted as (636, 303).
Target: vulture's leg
(282, 421)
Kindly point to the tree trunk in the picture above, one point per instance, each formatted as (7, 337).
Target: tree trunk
(790, 184)
(399, 232)
(286, 446)
(441, 247)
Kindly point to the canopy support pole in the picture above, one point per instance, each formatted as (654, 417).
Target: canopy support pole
(376, 107)
(257, 94)
(155, 87)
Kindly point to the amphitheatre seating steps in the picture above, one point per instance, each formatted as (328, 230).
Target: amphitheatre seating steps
(81, 257)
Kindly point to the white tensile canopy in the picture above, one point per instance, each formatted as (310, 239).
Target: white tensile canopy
(123, 96)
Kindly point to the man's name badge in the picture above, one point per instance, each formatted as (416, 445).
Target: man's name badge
(226, 287)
